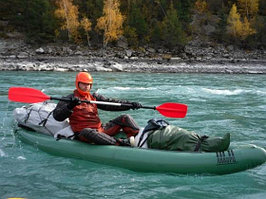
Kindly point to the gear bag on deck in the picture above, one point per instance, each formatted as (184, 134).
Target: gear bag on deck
(163, 136)
(39, 117)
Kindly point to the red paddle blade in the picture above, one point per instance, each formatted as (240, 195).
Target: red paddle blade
(173, 110)
(26, 95)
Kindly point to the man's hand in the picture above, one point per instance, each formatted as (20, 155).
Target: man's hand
(74, 102)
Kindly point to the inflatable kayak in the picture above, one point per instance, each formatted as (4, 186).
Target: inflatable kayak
(44, 131)
(150, 160)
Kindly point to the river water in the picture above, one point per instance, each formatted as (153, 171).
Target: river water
(217, 104)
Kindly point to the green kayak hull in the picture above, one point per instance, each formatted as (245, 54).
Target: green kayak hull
(150, 160)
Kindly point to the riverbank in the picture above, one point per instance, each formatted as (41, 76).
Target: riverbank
(195, 58)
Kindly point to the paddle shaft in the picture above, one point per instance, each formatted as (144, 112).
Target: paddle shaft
(102, 103)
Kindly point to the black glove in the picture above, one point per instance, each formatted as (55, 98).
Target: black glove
(135, 105)
(74, 102)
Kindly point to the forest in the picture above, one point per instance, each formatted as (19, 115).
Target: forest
(167, 23)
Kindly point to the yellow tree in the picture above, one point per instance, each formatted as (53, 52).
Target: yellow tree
(236, 27)
(248, 8)
(86, 25)
(246, 29)
(234, 22)
(201, 6)
(69, 15)
(111, 22)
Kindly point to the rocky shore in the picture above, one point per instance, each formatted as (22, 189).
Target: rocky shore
(195, 58)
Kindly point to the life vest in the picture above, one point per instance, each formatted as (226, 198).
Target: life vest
(85, 115)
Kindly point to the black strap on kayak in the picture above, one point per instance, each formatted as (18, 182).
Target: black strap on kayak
(59, 137)
(153, 125)
(201, 139)
(28, 116)
(26, 127)
(43, 122)
(142, 142)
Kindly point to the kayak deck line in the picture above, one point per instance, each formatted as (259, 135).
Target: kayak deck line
(150, 160)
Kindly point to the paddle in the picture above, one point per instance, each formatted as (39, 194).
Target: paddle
(31, 95)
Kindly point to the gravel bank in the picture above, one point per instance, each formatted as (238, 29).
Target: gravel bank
(16, 55)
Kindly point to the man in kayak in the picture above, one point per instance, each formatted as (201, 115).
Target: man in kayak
(84, 119)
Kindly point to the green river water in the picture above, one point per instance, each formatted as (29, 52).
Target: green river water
(217, 104)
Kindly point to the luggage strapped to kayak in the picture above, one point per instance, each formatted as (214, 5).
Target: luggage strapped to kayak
(39, 117)
(153, 124)
(43, 121)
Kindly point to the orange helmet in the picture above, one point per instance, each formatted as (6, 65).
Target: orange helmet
(83, 77)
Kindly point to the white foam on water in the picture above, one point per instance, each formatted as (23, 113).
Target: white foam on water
(259, 92)
(2, 153)
(223, 92)
(21, 158)
(130, 88)
(102, 90)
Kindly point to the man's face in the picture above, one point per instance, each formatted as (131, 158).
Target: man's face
(85, 87)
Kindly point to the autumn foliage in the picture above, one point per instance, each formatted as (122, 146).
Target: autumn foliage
(238, 28)
(69, 15)
(248, 8)
(111, 22)
(86, 25)
(201, 6)
(151, 23)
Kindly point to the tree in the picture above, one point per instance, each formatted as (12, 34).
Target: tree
(86, 25)
(131, 35)
(246, 29)
(91, 9)
(69, 15)
(111, 22)
(234, 23)
(137, 21)
(248, 8)
(184, 8)
(237, 28)
(172, 33)
(201, 6)
(34, 18)
(221, 26)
